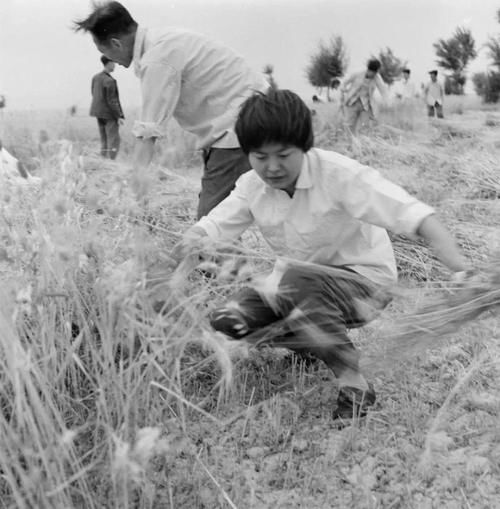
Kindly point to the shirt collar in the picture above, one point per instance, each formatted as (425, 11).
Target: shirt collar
(139, 48)
(304, 181)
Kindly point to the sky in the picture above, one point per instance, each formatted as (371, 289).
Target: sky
(45, 65)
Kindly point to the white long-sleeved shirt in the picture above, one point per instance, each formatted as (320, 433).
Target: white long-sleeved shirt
(358, 86)
(200, 82)
(404, 90)
(434, 93)
(338, 215)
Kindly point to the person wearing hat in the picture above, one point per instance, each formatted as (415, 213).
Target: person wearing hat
(434, 95)
(106, 108)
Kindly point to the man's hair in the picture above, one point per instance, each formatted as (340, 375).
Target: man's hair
(277, 116)
(373, 65)
(335, 82)
(105, 60)
(108, 19)
(407, 71)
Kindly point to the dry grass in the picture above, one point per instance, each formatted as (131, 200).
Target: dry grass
(115, 393)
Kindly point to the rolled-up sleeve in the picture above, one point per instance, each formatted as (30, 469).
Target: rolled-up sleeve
(371, 198)
(160, 87)
(228, 220)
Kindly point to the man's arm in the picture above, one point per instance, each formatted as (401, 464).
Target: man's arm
(347, 83)
(160, 86)
(381, 86)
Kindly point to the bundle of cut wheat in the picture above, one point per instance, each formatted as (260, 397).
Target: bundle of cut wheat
(441, 316)
(481, 175)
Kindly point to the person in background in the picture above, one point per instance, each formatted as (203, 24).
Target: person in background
(3, 104)
(326, 217)
(185, 75)
(404, 88)
(107, 109)
(334, 95)
(434, 96)
(357, 95)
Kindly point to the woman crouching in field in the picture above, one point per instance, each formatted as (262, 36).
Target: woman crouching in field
(326, 215)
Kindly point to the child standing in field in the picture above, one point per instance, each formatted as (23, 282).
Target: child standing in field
(325, 216)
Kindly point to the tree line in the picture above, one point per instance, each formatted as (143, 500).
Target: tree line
(453, 54)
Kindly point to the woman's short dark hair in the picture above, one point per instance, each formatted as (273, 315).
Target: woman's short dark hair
(277, 116)
(374, 65)
(108, 19)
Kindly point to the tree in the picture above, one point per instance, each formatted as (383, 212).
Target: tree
(493, 46)
(454, 54)
(329, 62)
(390, 65)
(487, 85)
(268, 71)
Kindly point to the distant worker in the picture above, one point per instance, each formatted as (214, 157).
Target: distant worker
(199, 82)
(404, 88)
(357, 95)
(106, 107)
(334, 96)
(434, 96)
(3, 103)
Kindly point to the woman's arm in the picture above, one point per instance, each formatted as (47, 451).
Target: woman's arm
(443, 243)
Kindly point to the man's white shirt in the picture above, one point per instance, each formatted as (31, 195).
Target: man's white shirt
(198, 81)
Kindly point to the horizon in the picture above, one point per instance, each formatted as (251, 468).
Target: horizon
(283, 33)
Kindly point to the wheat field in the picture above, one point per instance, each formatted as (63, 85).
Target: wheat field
(117, 394)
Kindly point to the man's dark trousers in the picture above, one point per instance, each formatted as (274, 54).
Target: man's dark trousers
(435, 109)
(110, 137)
(222, 168)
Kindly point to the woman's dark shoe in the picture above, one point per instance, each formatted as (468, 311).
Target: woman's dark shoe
(353, 403)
